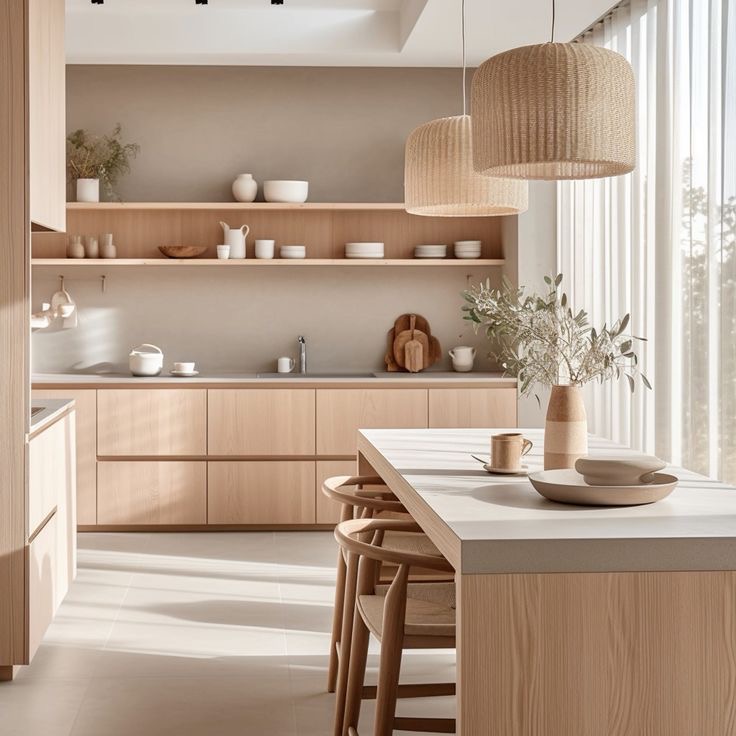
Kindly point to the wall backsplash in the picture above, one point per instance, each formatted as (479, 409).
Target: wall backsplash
(198, 127)
(231, 320)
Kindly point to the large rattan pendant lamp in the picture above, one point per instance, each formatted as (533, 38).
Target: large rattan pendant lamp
(554, 111)
(439, 178)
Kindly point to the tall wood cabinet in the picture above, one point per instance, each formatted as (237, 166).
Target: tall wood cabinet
(47, 114)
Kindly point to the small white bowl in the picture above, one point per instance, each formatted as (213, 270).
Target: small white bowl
(285, 190)
(467, 243)
(293, 251)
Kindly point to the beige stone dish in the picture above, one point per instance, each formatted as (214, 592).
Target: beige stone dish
(612, 470)
(568, 486)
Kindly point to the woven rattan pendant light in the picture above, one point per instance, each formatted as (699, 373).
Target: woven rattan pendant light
(439, 178)
(554, 111)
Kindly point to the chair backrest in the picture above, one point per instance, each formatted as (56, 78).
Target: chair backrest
(351, 534)
(351, 491)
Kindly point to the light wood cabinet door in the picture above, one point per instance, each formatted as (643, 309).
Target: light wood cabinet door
(342, 412)
(328, 511)
(151, 422)
(472, 407)
(261, 492)
(85, 412)
(45, 591)
(261, 422)
(47, 114)
(152, 492)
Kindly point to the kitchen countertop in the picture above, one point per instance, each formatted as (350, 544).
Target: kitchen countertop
(498, 524)
(429, 378)
(51, 409)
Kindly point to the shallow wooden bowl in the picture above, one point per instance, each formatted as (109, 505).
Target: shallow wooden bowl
(182, 251)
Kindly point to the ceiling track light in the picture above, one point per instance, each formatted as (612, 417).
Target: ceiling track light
(201, 2)
(98, 2)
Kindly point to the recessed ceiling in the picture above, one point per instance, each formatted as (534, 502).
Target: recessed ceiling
(313, 32)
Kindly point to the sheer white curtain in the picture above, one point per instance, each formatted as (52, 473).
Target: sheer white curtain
(661, 242)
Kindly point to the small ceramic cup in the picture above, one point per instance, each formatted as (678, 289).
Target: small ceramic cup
(507, 450)
(108, 250)
(223, 252)
(92, 247)
(285, 365)
(184, 367)
(265, 248)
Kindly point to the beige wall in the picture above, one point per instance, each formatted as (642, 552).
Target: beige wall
(343, 129)
(198, 127)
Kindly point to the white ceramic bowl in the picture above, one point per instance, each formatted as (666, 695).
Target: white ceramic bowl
(293, 251)
(285, 190)
(364, 250)
(468, 243)
(184, 367)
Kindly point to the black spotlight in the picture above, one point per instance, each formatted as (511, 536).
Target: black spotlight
(201, 2)
(98, 2)
(277, 2)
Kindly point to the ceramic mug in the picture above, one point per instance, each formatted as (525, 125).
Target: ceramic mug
(265, 248)
(286, 365)
(223, 252)
(184, 367)
(462, 358)
(507, 450)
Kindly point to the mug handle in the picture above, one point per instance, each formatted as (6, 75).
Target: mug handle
(451, 353)
(528, 444)
(292, 364)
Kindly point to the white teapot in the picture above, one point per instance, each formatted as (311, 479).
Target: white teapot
(235, 238)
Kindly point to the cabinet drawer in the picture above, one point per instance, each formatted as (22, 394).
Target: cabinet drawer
(342, 412)
(44, 594)
(165, 422)
(472, 407)
(85, 413)
(261, 422)
(152, 492)
(328, 511)
(261, 492)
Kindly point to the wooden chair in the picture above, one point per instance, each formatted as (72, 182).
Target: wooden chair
(411, 616)
(361, 497)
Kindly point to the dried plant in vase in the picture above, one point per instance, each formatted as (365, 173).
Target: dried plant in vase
(541, 341)
(93, 159)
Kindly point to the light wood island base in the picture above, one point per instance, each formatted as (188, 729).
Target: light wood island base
(599, 654)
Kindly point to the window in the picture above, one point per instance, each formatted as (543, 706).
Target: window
(661, 242)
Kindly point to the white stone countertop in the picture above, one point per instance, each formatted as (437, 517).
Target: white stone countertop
(502, 525)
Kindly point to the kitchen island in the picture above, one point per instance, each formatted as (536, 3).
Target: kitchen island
(575, 621)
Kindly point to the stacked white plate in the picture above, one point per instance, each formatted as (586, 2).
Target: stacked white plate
(293, 251)
(430, 251)
(363, 250)
(467, 249)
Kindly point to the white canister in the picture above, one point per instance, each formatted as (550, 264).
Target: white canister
(462, 358)
(245, 188)
(265, 248)
(146, 360)
(88, 190)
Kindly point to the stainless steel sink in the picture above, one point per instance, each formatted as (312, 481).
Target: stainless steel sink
(307, 376)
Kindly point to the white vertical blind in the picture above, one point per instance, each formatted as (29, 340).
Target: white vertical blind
(661, 242)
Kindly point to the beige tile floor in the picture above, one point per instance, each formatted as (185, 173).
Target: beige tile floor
(211, 634)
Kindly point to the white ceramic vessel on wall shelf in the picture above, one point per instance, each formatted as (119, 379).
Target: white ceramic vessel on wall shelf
(285, 190)
(235, 238)
(245, 188)
(88, 190)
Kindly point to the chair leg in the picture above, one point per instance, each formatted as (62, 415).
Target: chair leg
(356, 677)
(392, 641)
(337, 621)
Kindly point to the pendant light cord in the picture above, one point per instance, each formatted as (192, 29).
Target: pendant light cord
(462, 26)
(552, 35)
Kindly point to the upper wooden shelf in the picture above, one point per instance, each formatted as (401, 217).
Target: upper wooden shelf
(254, 262)
(319, 206)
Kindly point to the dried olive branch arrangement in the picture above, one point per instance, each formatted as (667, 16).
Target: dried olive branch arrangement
(541, 341)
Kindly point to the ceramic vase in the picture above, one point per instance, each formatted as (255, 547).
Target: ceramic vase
(245, 188)
(566, 428)
(88, 190)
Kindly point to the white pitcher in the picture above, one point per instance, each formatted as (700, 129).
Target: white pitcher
(235, 238)
(462, 358)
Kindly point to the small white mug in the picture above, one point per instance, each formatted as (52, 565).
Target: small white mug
(223, 252)
(265, 248)
(462, 358)
(286, 365)
(184, 367)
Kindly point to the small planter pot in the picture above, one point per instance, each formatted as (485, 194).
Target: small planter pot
(88, 190)
(566, 428)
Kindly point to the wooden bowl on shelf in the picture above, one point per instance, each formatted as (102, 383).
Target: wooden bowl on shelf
(182, 251)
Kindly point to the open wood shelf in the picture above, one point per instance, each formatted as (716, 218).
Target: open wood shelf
(254, 262)
(217, 206)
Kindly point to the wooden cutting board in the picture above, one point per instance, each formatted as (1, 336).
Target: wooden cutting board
(402, 340)
(395, 357)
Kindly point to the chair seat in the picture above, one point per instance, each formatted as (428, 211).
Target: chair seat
(430, 610)
(411, 543)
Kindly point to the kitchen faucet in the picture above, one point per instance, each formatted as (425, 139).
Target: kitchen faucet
(302, 354)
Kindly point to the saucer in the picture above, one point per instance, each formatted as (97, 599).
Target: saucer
(184, 374)
(523, 470)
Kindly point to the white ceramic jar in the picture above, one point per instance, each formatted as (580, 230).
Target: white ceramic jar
(462, 358)
(245, 188)
(146, 360)
(88, 190)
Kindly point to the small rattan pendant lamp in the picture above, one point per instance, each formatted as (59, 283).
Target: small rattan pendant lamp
(554, 111)
(439, 178)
